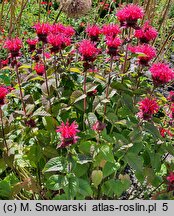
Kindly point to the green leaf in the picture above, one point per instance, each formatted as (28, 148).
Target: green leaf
(55, 182)
(135, 161)
(71, 186)
(97, 176)
(150, 127)
(5, 190)
(2, 165)
(56, 164)
(84, 188)
(110, 168)
(107, 153)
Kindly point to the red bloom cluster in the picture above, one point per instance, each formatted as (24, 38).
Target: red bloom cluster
(170, 181)
(129, 15)
(39, 68)
(3, 93)
(32, 44)
(42, 30)
(58, 42)
(145, 51)
(68, 133)
(93, 32)
(88, 50)
(146, 33)
(147, 107)
(113, 45)
(13, 45)
(58, 28)
(161, 74)
(111, 30)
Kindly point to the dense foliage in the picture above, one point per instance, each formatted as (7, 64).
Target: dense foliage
(87, 103)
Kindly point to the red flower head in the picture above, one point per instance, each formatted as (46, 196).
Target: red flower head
(4, 62)
(161, 74)
(39, 68)
(88, 50)
(3, 93)
(111, 30)
(13, 45)
(165, 132)
(171, 96)
(69, 31)
(99, 126)
(146, 33)
(57, 28)
(42, 30)
(147, 107)
(170, 181)
(32, 44)
(113, 45)
(146, 52)
(129, 15)
(58, 42)
(68, 134)
(93, 32)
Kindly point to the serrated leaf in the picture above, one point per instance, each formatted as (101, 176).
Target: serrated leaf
(56, 164)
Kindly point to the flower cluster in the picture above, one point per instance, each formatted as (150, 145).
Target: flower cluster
(93, 32)
(13, 45)
(147, 108)
(146, 33)
(88, 50)
(170, 181)
(68, 134)
(129, 15)
(3, 92)
(145, 53)
(161, 73)
(39, 68)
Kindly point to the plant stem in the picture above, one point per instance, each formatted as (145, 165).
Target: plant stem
(55, 72)
(108, 84)
(20, 88)
(3, 132)
(46, 78)
(84, 91)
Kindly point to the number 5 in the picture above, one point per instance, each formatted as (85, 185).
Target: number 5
(165, 207)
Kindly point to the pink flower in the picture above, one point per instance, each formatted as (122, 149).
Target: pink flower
(146, 33)
(129, 15)
(170, 177)
(69, 31)
(93, 32)
(113, 45)
(99, 126)
(88, 50)
(3, 93)
(57, 28)
(42, 30)
(39, 68)
(171, 96)
(147, 107)
(145, 51)
(161, 74)
(32, 44)
(13, 45)
(68, 133)
(58, 42)
(111, 30)
(170, 181)
(4, 62)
